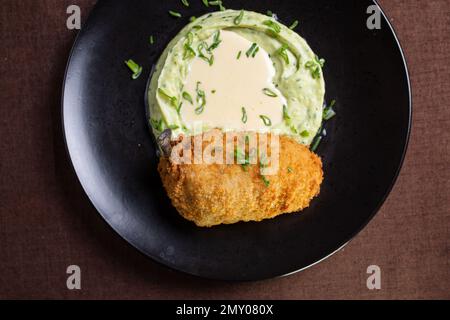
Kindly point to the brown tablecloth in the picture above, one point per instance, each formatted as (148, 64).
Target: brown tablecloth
(47, 223)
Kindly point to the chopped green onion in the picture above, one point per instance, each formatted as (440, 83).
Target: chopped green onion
(135, 68)
(290, 170)
(190, 38)
(189, 52)
(266, 120)
(187, 97)
(273, 26)
(328, 112)
(216, 41)
(239, 55)
(293, 25)
(282, 52)
(175, 14)
(157, 124)
(269, 93)
(255, 52)
(173, 100)
(173, 127)
(244, 165)
(263, 163)
(244, 115)
(152, 39)
(316, 143)
(179, 108)
(321, 62)
(238, 19)
(266, 182)
(192, 19)
(204, 46)
(252, 51)
(271, 14)
(217, 3)
(185, 2)
(286, 114)
(305, 134)
(315, 67)
(201, 99)
(205, 2)
(240, 155)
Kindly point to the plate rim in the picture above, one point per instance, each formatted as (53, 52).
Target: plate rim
(157, 259)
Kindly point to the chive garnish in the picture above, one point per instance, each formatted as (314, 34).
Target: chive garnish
(157, 124)
(135, 68)
(293, 25)
(201, 99)
(189, 52)
(174, 127)
(187, 97)
(266, 120)
(328, 112)
(315, 66)
(252, 51)
(185, 2)
(204, 46)
(266, 182)
(175, 14)
(152, 39)
(190, 38)
(273, 26)
(305, 134)
(192, 19)
(173, 100)
(316, 143)
(244, 115)
(321, 62)
(217, 3)
(255, 52)
(239, 55)
(263, 162)
(205, 2)
(179, 108)
(290, 170)
(216, 41)
(269, 93)
(286, 114)
(271, 14)
(240, 155)
(238, 19)
(282, 52)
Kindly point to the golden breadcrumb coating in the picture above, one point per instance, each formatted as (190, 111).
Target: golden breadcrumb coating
(217, 194)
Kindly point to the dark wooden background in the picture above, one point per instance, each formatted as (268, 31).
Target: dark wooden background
(47, 223)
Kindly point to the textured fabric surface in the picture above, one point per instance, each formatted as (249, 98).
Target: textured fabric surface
(47, 223)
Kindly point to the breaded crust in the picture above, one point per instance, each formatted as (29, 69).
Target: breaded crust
(217, 194)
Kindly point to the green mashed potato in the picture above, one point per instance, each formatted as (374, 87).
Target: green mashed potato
(297, 75)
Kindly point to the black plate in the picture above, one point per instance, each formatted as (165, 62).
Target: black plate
(114, 157)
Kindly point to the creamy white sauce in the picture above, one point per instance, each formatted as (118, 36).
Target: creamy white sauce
(231, 84)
